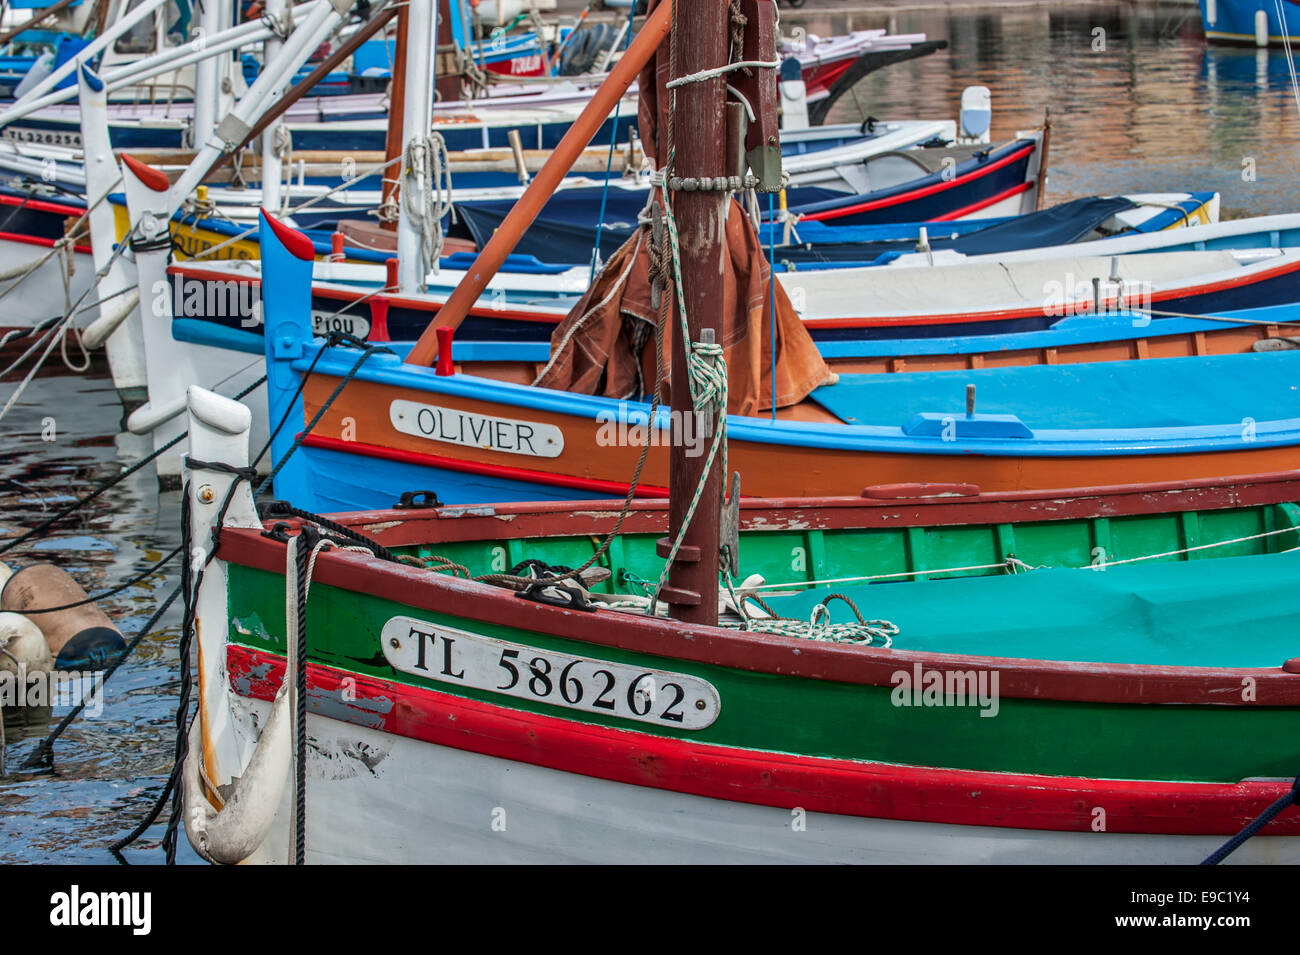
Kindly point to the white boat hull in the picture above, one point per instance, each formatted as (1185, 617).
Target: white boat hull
(377, 798)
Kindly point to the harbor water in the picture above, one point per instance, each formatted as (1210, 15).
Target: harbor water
(1142, 105)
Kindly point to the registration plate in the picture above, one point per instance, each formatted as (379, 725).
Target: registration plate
(448, 655)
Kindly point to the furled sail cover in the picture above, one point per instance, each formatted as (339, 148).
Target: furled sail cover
(605, 345)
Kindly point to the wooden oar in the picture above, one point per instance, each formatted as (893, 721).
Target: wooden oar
(580, 134)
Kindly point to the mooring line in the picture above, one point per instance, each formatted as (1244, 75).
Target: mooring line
(43, 754)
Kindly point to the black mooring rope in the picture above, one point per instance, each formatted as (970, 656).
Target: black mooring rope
(307, 541)
(190, 591)
(191, 580)
(44, 752)
(1260, 821)
(112, 591)
(110, 483)
(320, 413)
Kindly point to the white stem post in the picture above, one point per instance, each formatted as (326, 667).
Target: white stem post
(417, 121)
(171, 369)
(125, 345)
(256, 770)
(272, 172)
(206, 74)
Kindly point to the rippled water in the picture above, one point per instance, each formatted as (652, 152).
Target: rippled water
(108, 768)
(1154, 110)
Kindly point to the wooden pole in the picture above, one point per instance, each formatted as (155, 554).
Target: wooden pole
(37, 18)
(299, 90)
(396, 106)
(580, 134)
(447, 84)
(699, 140)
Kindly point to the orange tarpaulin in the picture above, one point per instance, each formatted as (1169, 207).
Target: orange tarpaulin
(604, 346)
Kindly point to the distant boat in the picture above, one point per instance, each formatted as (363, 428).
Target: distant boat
(1036, 427)
(1251, 22)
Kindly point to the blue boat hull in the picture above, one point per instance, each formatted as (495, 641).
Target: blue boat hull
(1235, 21)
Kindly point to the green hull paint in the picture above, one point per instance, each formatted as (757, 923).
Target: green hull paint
(1026, 613)
(815, 554)
(818, 718)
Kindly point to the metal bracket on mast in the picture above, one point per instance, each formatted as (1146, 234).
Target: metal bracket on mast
(729, 528)
(759, 88)
(232, 131)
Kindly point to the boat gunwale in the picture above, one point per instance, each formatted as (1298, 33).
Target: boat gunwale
(1077, 681)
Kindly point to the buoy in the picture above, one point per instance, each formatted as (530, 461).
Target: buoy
(25, 663)
(80, 637)
(22, 646)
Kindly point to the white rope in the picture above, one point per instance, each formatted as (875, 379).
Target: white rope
(1286, 42)
(1188, 550)
(23, 271)
(427, 167)
(717, 71)
(56, 333)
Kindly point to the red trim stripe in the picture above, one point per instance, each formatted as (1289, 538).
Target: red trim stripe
(37, 240)
(40, 205)
(479, 467)
(818, 784)
(922, 191)
(984, 203)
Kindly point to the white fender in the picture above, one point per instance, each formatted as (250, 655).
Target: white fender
(97, 332)
(234, 832)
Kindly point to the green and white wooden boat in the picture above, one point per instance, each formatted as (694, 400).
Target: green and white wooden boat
(1108, 677)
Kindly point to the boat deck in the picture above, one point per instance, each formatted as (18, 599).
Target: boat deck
(1229, 612)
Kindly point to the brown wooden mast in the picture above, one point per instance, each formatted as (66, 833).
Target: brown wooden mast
(396, 107)
(699, 143)
(447, 82)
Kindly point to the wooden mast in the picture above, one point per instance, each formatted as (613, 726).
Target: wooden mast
(448, 81)
(699, 143)
(396, 106)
